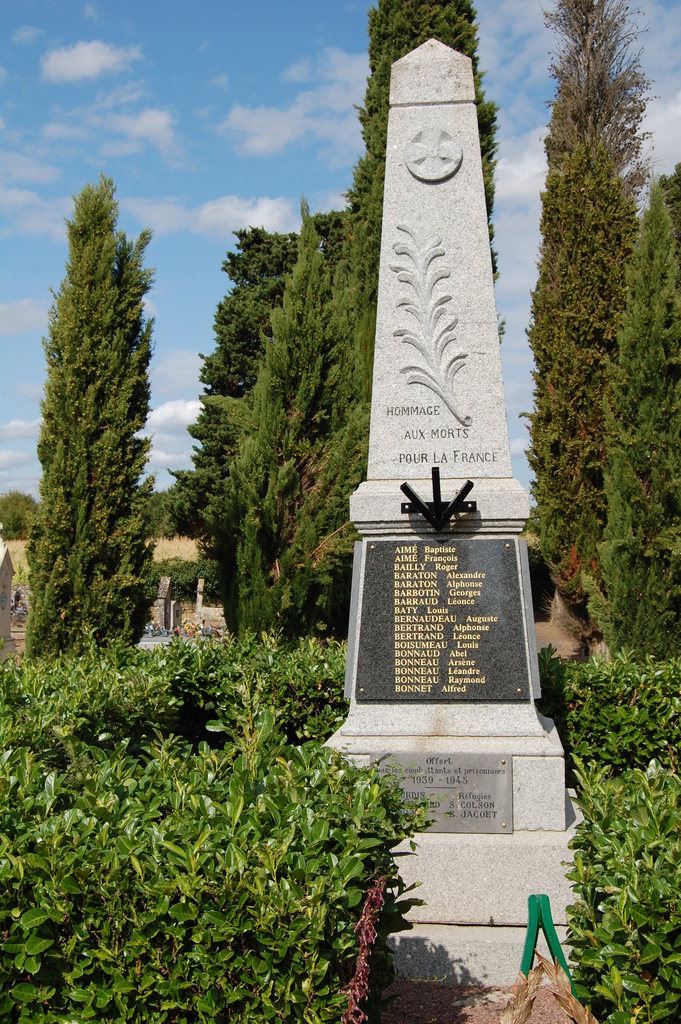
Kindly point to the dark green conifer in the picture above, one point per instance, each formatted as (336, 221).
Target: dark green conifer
(671, 187)
(257, 269)
(87, 551)
(641, 555)
(287, 507)
(588, 229)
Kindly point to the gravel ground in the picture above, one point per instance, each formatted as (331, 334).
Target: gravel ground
(423, 1002)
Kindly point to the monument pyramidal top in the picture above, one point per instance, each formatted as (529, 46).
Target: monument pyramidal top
(438, 398)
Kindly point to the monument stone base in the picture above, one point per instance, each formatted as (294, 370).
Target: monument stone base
(468, 955)
(475, 886)
(481, 882)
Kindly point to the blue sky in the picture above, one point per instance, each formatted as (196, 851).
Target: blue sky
(218, 114)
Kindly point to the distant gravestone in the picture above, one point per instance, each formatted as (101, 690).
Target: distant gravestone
(6, 574)
(163, 606)
(442, 671)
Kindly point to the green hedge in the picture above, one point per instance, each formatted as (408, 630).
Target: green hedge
(184, 575)
(625, 929)
(621, 714)
(302, 682)
(146, 877)
(124, 693)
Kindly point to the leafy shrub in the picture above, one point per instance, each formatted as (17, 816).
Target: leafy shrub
(625, 929)
(146, 877)
(102, 697)
(16, 514)
(621, 714)
(189, 886)
(184, 575)
(302, 682)
(109, 695)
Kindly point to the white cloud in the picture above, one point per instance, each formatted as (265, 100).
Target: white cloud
(16, 166)
(29, 214)
(9, 460)
(220, 82)
(301, 71)
(56, 131)
(4, 74)
(27, 34)
(91, 12)
(663, 119)
(151, 125)
(176, 372)
(160, 459)
(87, 60)
(521, 167)
(217, 218)
(520, 445)
(324, 112)
(21, 316)
(172, 417)
(20, 430)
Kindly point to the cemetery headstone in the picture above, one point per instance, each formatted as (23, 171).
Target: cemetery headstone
(442, 670)
(163, 606)
(6, 574)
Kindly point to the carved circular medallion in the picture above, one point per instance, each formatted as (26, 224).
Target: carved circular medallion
(433, 155)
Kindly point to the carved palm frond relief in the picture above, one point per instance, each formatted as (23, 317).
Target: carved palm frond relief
(432, 333)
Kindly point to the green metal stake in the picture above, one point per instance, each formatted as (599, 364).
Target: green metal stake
(539, 916)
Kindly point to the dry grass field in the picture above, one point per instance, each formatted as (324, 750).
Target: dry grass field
(175, 547)
(17, 552)
(166, 547)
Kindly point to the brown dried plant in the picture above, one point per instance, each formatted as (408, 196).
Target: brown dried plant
(518, 1009)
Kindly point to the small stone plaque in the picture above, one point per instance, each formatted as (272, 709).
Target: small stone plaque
(442, 620)
(465, 792)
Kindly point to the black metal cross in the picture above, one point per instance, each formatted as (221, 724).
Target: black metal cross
(438, 512)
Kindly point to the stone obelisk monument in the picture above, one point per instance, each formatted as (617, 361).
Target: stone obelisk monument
(442, 670)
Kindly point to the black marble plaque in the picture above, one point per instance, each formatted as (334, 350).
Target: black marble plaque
(465, 792)
(442, 621)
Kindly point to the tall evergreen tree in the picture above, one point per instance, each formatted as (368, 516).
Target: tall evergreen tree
(588, 229)
(87, 551)
(395, 28)
(284, 515)
(601, 89)
(257, 269)
(671, 187)
(641, 556)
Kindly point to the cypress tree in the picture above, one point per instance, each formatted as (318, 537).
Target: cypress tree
(395, 28)
(285, 506)
(87, 550)
(588, 229)
(641, 555)
(671, 187)
(257, 269)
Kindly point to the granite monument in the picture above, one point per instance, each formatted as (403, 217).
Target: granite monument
(442, 670)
